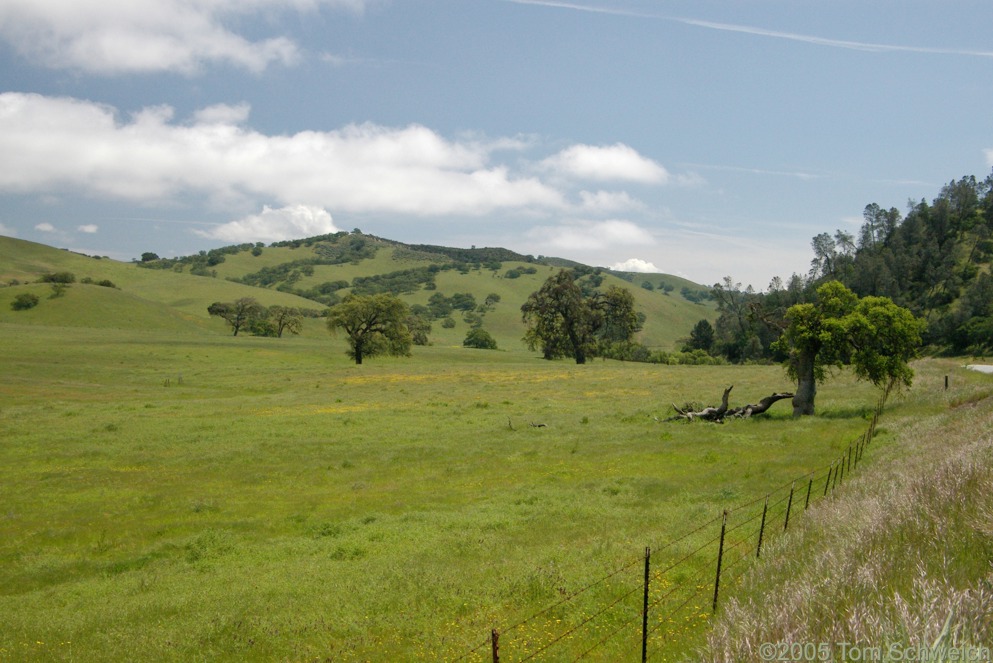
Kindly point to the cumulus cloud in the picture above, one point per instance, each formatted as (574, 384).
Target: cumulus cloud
(636, 265)
(143, 36)
(45, 227)
(275, 225)
(89, 228)
(608, 201)
(65, 142)
(591, 235)
(617, 162)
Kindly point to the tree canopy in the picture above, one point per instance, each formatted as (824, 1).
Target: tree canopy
(374, 324)
(873, 335)
(239, 314)
(564, 321)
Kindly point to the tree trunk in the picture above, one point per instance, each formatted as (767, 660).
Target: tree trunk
(806, 385)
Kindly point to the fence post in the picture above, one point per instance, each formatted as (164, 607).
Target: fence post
(720, 556)
(495, 641)
(828, 482)
(834, 483)
(644, 608)
(849, 459)
(789, 505)
(841, 467)
(765, 509)
(806, 502)
(946, 383)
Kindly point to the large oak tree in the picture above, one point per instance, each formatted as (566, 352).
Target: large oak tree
(565, 322)
(375, 325)
(873, 335)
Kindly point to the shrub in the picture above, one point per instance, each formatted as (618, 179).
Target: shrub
(24, 301)
(58, 277)
(479, 338)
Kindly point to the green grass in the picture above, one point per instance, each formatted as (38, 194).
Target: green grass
(181, 497)
(669, 317)
(170, 492)
(900, 557)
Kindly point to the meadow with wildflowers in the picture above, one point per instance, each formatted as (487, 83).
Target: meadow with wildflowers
(175, 496)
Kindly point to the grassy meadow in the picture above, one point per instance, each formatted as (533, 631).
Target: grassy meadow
(185, 497)
(169, 492)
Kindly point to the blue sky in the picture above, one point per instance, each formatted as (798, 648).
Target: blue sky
(704, 139)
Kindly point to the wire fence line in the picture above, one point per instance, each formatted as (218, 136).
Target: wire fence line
(698, 563)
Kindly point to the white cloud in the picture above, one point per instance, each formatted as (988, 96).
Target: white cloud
(636, 265)
(591, 235)
(45, 227)
(613, 162)
(275, 225)
(89, 228)
(989, 157)
(104, 37)
(64, 142)
(222, 114)
(9, 232)
(608, 201)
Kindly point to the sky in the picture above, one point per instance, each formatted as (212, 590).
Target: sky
(697, 138)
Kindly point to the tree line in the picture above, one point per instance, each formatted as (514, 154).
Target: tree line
(937, 262)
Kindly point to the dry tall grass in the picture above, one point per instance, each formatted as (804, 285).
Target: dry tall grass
(903, 556)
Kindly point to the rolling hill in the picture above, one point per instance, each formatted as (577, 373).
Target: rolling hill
(173, 294)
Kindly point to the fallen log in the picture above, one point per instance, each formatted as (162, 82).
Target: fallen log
(760, 407)
(708, 413)
(720, 414)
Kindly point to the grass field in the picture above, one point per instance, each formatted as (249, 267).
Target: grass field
(174, 496)
(170, 492)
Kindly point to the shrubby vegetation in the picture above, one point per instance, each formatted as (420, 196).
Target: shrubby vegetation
(479, 338)
(24, 301)
(247, 314)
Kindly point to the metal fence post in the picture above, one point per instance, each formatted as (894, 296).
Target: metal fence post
(644, 609)
(720, 556)
(789, 505)
(765, 509)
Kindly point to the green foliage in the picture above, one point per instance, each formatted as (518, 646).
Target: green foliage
(874, 335)
(701, 337)
(375, 325)
(24, 301)
(563, 320)
(479, 338)
(419, 327)
(243, 313)
(285, 319)
(64, 278)
(396, 283)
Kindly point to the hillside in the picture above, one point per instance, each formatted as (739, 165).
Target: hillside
(315, 273)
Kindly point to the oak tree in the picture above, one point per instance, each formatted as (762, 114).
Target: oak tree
(374, 324)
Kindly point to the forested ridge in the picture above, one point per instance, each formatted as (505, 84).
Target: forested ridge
(934, 260)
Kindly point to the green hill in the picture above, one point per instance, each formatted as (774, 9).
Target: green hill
(315, 273)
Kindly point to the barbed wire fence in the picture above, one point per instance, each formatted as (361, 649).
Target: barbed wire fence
(642, 602)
